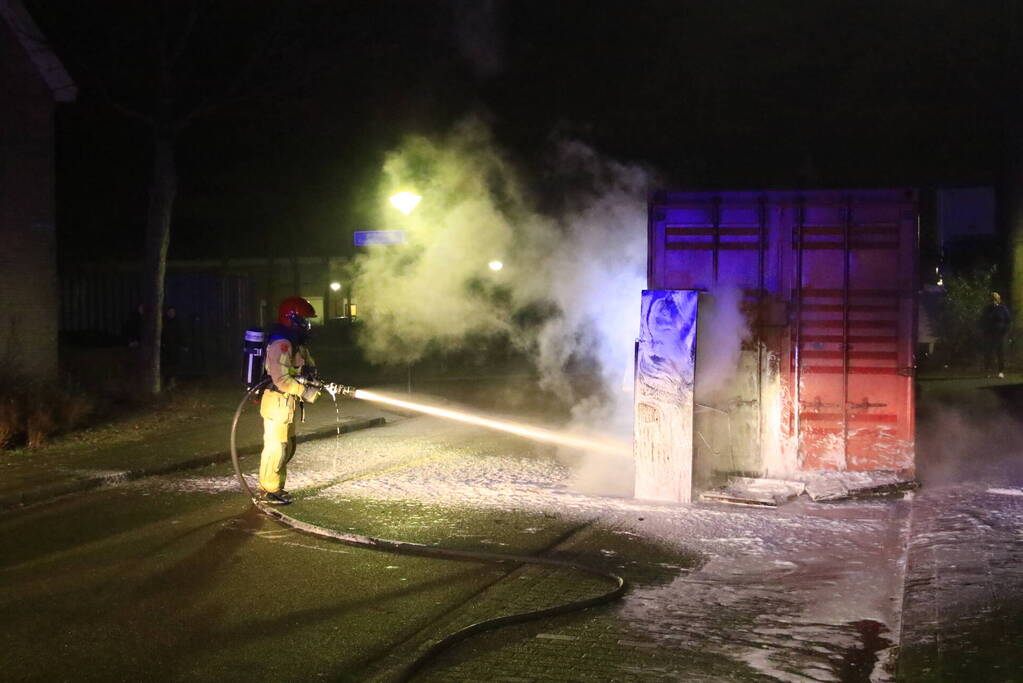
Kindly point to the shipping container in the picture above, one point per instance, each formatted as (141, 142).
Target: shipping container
(825, 284)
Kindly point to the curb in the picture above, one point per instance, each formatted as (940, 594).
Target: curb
(41, 494)
(889, 659)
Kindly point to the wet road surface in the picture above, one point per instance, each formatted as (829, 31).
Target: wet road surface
(176, 578)
(167, 581)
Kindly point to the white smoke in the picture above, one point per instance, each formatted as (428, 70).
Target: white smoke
(722, 330)
(596, 273)
(577, 272)
(436, 290)
(587, 263)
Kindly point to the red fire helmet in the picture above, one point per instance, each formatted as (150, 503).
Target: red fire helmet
(294, 307)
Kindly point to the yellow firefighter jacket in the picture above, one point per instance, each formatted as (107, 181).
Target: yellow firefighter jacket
(284, 363)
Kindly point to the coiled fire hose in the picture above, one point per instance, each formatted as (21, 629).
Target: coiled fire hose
(409, 548)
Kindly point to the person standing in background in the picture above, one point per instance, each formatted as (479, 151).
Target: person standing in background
(172, 343)
(995, 321)
(133, 327)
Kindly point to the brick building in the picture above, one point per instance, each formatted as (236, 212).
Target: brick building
(32, 82)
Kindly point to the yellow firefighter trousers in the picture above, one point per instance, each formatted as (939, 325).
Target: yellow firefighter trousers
(278, 449)
(278, 411)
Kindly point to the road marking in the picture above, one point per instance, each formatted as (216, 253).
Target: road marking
(316, 547)
(1006, 492)
(271, 534)
(276, 536)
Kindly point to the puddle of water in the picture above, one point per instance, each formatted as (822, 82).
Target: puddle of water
(858, 663)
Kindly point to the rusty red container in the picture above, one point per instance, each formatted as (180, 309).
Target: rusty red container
(828, 281)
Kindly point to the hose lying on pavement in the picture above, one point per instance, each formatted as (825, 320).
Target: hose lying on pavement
(410, 548)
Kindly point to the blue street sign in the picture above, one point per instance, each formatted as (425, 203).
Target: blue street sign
(372, 238)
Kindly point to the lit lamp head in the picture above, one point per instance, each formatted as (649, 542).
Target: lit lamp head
(335, 286)
(405, 202)
(495, 265)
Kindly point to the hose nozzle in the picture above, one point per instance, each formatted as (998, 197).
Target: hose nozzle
(335, 389)
(331, 388)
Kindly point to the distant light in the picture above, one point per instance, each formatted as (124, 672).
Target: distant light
(405, 202)
(495, 265)
(335, 286)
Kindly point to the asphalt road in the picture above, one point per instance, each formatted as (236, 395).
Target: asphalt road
(123, 584)
(179, 578)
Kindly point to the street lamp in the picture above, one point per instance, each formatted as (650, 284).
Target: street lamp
(495, 265)
(405, 202)
(335, 286)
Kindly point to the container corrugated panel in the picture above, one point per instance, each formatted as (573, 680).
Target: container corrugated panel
(828, 281)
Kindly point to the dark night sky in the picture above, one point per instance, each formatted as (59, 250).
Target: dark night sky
(714, 95)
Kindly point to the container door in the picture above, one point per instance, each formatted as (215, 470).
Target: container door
(852, 335)
(665, 359)
(881, 330)
(819, 336)
(720, 244)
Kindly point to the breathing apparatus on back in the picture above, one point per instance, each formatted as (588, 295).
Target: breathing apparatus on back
(253, 358)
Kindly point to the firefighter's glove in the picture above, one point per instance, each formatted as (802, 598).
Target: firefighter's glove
(311, 388)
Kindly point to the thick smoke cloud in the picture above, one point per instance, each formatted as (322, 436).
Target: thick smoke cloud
(569, 292)
(722, 330)
(580, 272)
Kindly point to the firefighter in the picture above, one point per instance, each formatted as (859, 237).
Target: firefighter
(289, 365)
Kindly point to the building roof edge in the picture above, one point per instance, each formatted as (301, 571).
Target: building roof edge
(39, 51)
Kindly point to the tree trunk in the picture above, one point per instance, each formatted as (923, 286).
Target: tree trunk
(158, 223)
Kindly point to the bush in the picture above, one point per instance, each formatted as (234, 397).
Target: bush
(10, 422)
(965, 298)
(41, 423)
(32, 414)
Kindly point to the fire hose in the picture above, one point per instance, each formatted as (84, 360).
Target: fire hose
(410, 548)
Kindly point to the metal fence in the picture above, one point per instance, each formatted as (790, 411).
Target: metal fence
(213, 308)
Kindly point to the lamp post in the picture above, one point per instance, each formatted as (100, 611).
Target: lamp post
(331, 308)
(405, 201)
